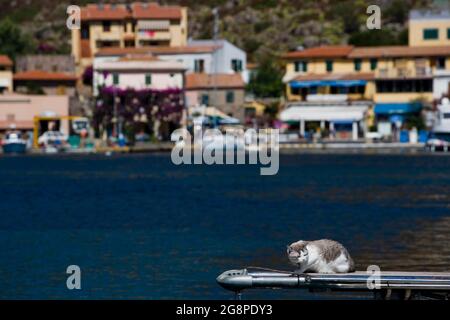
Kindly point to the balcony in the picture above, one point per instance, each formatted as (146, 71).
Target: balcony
(153, 30)
(418, 72)
(153, 35)
(107, 36)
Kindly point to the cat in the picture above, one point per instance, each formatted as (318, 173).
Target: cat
(320, 256)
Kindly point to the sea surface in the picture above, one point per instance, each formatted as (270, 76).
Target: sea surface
(140, 227)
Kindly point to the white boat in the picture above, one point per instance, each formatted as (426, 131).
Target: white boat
(13, 143)
(440, 136)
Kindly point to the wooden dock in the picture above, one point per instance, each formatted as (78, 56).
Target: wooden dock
(385, 285)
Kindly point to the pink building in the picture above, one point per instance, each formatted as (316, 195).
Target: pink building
(139, 72)
(18, 111)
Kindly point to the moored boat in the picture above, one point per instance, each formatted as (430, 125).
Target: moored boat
(13, 143)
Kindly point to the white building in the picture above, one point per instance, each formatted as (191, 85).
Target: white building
(334, 117)
(138, 72)
(441, 83)
(199, 56)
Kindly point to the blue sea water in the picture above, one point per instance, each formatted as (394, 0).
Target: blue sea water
(140, 227)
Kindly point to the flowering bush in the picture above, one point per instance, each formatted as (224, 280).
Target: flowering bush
(141, 108)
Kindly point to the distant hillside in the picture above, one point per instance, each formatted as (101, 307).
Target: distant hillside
(264, 28)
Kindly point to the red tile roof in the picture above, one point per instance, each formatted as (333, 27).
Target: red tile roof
(104, 12)
(321, 52)
(137, 10)
(399, 51)
(116, 51)
(139, 57)
(335, 76)
(220, 81)
(155, 11)
(43, 76)
(5, 61)
(368, 52)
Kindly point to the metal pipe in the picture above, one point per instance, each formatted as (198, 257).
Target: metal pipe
(238, 280)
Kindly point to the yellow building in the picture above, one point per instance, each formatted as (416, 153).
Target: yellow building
(325, 83)
(6, 74)
(428, 28)
(390, 74)
(134, 25)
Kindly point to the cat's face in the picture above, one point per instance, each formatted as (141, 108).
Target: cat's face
(297, 257)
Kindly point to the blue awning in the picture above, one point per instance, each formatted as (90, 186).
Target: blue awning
(327, 83)
(304, 84)
(397, 108)
(345, 83)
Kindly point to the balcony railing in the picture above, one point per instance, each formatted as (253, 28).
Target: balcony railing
(107, 36)
(153, 35)
(404, 72)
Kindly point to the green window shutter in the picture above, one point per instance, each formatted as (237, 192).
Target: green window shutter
(195, 65)
(205, 99)
(329, 65)
(430, 34)
(148, 79)
(301, 66)
(373, 64)
(236, 65)
(357, 63)
(448, 33)
(115, 79)
(230, 97)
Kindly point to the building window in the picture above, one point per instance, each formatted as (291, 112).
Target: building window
(373, 64)
(301, 66)
(115, 79)
(440, 63)
(84, 33)
(329, 65)
(399, 86)
(430, 34)
(357, 63)
(148, 79)
(129, 43)
(205, 99)
(199, 66)
(106, 26)
(230, 97)
(236, 65)
(448, 33)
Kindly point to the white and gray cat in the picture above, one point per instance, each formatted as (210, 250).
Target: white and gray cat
(320, 256)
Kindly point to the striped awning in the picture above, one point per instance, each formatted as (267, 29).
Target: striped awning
(153, 25)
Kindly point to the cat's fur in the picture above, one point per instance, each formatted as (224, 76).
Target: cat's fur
(320, 256)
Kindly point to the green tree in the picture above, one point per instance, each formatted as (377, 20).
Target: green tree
(12, 41)
(267, 82)
(383, 37)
